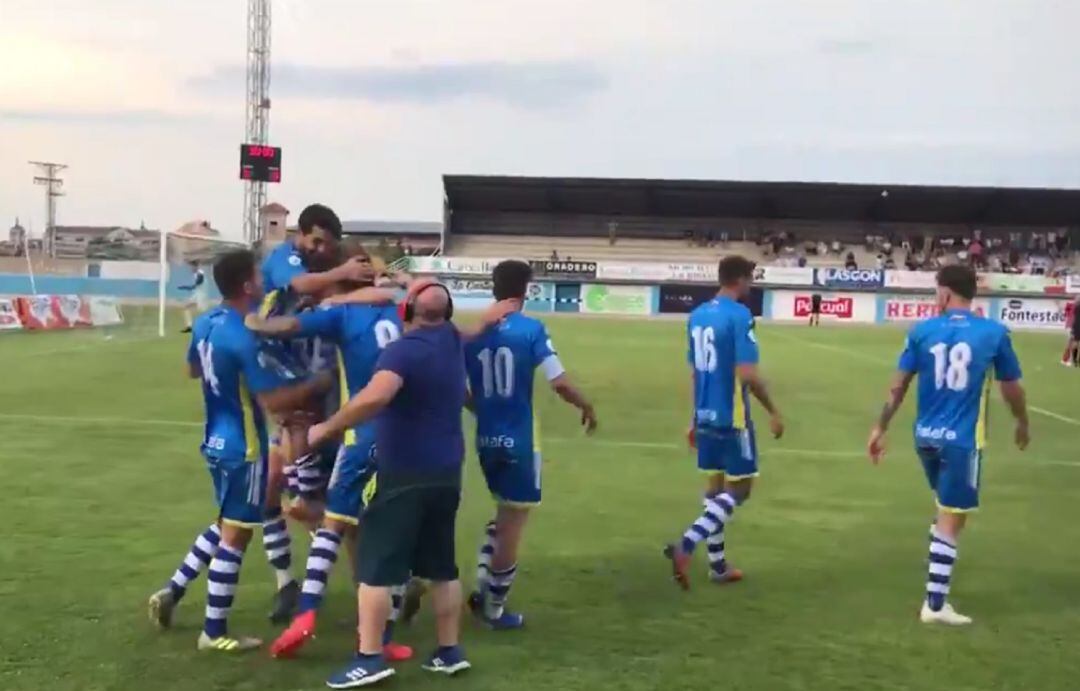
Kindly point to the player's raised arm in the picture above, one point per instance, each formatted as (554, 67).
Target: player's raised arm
(1007, 371)
(272, 327)
(491, 316)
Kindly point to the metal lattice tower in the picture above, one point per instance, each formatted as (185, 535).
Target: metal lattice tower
(257, 116)
(50, 180)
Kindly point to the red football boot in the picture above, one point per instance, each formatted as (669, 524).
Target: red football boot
(397, 652)
(292, 639)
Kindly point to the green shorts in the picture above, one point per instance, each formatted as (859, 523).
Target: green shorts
(408, 529)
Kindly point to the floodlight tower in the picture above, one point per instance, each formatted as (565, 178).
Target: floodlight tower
(257, 114)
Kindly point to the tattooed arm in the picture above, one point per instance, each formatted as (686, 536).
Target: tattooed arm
(897, 391)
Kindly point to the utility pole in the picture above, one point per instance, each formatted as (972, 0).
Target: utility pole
(49, 178)
(258, 107)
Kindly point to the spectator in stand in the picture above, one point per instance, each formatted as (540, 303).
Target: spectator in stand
(880, 259)
(554, 255)
(802, 261)
(909, 262)
(850, 263)
(837, 248)
(822, 248)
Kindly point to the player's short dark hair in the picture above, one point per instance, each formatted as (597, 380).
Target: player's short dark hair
(960, 279)
(232, 270)
(319, 215)
(510, 279)
(734, 269)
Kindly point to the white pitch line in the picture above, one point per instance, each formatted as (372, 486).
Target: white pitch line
(614, 443)
(1052, 414)
(80, 420)
(869, 358)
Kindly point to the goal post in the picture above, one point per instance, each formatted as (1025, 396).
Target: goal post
(180, 247)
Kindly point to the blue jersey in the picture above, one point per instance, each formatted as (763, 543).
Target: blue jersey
(500, 365)
(721, 337)
(234, 366)
(360, 333)
(952, 355)
(281, 266)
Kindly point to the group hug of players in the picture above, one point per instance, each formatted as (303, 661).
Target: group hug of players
(290, 343)
(315, 343)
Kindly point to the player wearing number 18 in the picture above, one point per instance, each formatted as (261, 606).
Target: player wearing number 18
(723, 357)
(952, 355)
(500, 363)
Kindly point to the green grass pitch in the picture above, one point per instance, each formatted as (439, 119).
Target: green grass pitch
(105, 491)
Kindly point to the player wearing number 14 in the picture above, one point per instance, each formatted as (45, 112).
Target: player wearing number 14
(952, 355)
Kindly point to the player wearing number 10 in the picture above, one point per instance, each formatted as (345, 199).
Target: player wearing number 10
(500, 363)
(952, 355)
(723, 357)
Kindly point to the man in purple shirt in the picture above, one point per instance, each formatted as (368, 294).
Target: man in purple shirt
(415, 398)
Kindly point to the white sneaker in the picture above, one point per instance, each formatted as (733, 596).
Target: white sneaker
(946, 615)
(227, 644)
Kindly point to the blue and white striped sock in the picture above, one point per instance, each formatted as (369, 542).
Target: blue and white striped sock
(221, 583)
(498, 591)
(195, 561)
(942, 560)
(715, 545)
(483, 559)
(718, 511)
(324, 550)
(278, 546)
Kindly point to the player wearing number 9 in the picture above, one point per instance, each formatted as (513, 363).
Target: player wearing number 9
(361, 332)
(500, 363)
(952, 355)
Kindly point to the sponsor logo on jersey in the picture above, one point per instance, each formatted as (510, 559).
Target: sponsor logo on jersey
(934, 433)
(495, 441)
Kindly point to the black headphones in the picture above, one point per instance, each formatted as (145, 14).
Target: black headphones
(408, 308)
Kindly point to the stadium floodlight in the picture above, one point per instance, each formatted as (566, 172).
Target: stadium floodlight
(184, 246)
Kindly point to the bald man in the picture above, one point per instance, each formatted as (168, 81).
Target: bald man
(418, 391)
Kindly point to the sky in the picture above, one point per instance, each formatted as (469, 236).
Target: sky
(374, 100)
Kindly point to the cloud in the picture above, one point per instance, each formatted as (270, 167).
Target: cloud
(845, 46)
(523, 84)
(124, 117)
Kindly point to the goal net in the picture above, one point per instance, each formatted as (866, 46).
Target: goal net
(190, 250)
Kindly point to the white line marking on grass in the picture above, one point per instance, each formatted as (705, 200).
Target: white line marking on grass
(80, 420)
(614, 443)
(869, 358)
(1052, 414)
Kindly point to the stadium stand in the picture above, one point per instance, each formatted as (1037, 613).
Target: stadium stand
(812, 224)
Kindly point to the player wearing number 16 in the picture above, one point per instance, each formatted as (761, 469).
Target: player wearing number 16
(723, 357)
(952, 355)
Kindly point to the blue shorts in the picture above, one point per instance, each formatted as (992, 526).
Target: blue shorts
(239, 490)
(351, 481)
(731, 452)
(513, 475)
(953, 473)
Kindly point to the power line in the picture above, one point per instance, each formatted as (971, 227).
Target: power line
(49, 179)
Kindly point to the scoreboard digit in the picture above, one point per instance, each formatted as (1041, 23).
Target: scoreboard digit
(260, 163)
